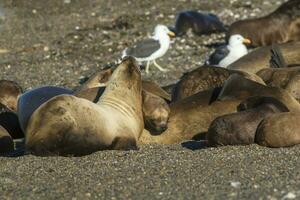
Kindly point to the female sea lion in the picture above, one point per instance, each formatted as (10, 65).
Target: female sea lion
(279, 130)
(260, 58)
(238, 87)
(67, 125)
(9, 94)
(200, 23)
(240, 128)
(205, 78)
(281, 26)
(191, 117)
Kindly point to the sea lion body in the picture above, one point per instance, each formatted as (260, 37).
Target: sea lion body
(281, 26)
(31, 100)
(67, 125)
(9, 94)
(6, 141)
(205, 78)
(240, 128)
(279, 130)
(259, 58)
(200, 23)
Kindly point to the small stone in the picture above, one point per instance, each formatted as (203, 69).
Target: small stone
(289, 195)
(235, 184)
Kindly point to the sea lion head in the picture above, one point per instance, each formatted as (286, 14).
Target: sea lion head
(9, 94)
(156, 112)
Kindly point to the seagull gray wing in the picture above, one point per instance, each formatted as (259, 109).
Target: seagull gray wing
(219, 54)
(144, 48)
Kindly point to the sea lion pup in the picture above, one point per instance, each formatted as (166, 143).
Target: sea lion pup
(205, 78)
(9, 94)
(191, 117)
(238, 87)
(67, 125)
(240, 128)
(6, 141)
(199, 23)
(282, 25)
(279, 130)
(260, 58)
(32, 99)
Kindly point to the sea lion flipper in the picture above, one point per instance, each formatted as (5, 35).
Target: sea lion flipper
(277, 59)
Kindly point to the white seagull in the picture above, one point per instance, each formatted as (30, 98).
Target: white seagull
(152, 48)
(227, 54)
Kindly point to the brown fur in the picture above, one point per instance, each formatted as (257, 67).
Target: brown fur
(205, 78)
(279, 130)
(240, 128)
(9, 94)
(6, 142)
(67, 125)
(281, 26)
(259, 58)
(285, 78)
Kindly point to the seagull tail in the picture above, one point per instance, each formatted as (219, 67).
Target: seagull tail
(277, 59)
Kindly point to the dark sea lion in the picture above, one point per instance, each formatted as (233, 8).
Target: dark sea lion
(67, 125)
(199, 23)
(281, 26)
(238, 87)
(240, 128)
(191, 117)
(6, 142)
(32, 99)
(260, 58)
(10, 122)
(9, 94)
(279, 130)
(205, 78)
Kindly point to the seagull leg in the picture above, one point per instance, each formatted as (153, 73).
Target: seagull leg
(147, 67)
(159, 67)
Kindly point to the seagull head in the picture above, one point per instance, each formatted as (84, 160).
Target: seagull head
(161, 30)
(238, 40)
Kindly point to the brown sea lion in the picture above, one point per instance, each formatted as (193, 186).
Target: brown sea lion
(238, 87)
(67, 125)
(205, 78)
(282, 25)
(6, 142)
(260, 58)
(240, 128)
(199, 23)
(191, 117)
(279, 130)
(9, 94)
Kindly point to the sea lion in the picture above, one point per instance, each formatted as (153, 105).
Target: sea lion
(191, 117)
(10, 122)
(67, 125)
(200, 23)
(6, 142)
(279, 130)
(238, 87)
(259, 58)
(32, 99)
(205, 78)
(281, 26)
(285, 78)
(240, 128)
(9, 94)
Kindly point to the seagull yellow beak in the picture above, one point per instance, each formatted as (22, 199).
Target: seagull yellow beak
(246, 41)
(171, 34)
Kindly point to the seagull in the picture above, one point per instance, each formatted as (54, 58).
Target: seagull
(152, 48)
(227, 54)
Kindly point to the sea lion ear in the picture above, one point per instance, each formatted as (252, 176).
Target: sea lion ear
(255, 101)
(277, 59)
